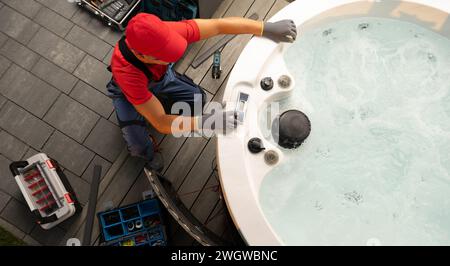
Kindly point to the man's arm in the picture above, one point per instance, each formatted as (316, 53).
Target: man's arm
(154, 112)
(281, 31)
(231, 25)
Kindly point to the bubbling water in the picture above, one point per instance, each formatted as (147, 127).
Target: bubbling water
(377, 163)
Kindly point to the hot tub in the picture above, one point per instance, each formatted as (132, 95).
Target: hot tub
(353, 205)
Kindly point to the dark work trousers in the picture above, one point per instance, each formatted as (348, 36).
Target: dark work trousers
(173, 88)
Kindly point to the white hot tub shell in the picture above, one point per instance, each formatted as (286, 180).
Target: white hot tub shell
(242, 172)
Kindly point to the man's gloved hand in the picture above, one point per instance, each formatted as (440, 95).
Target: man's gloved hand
(219, 121)
(281, 31)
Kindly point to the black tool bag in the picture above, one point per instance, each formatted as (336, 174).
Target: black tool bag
(171, 10)
(114, 13)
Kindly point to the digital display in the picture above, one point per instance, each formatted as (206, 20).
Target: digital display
(241, 106)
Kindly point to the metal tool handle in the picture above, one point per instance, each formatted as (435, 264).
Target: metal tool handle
(16, 166)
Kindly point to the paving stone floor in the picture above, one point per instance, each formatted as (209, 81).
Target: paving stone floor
(53, 59)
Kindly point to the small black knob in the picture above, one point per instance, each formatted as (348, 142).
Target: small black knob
(267, 84)
(255, 145)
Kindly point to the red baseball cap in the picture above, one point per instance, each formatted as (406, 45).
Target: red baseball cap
(149, 35)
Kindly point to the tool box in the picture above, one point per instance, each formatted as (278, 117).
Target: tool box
(171, 10)
(139, 224)
(115, 13)
(44, 191)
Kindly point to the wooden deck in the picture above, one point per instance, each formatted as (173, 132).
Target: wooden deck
(189, 162)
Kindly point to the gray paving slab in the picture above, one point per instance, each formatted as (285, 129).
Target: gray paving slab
(24, 126)
(113, 118)
(88, 42)
(18, 214)
(62, 7)
(93, 99)
(3, 38)
(56, 49)
(106, 140)
(7, 182)
(2, 101)
(82, 18)
(71, 118)
(28, 8)
(19, 54)
(107, 59)
(53, 22)
(48, 237)
(68, 153)
(16, 25)
(67, 224)
(4, 198)
(98, 28)
(94, 73)
(54, 75)
(4, 65)
(88, 174)
(79, 186)
(29, 153)
(11, 147)
(26, 90)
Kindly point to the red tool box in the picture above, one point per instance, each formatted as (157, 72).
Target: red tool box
(43, 190)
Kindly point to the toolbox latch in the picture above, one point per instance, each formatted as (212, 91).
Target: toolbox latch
(69, 198)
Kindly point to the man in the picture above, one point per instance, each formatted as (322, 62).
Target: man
(144, 87)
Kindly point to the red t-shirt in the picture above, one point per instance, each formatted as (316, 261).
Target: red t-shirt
(132, 81)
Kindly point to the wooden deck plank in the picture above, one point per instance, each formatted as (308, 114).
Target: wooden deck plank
(279, 4)
(184, 160)
(239, 9)
(135, 193)
(198, 176)
(217, 221)
(195, 48)
(169, 148)
(232, 51)
(206, 203)
(207, 200)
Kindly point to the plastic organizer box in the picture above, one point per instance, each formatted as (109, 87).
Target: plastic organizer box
(41, 182)
(172, 10)
(138, 224)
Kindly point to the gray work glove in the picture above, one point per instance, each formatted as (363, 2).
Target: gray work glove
(219, 121)
(281, 31)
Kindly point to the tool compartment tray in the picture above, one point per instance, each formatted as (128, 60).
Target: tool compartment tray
(138, 224)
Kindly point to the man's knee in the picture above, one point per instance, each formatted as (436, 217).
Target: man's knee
(144, 152)
(138, 141)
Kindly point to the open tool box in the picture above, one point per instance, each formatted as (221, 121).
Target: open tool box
(138, 224)
(171, 10)
(115, 13)
(47, 196)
